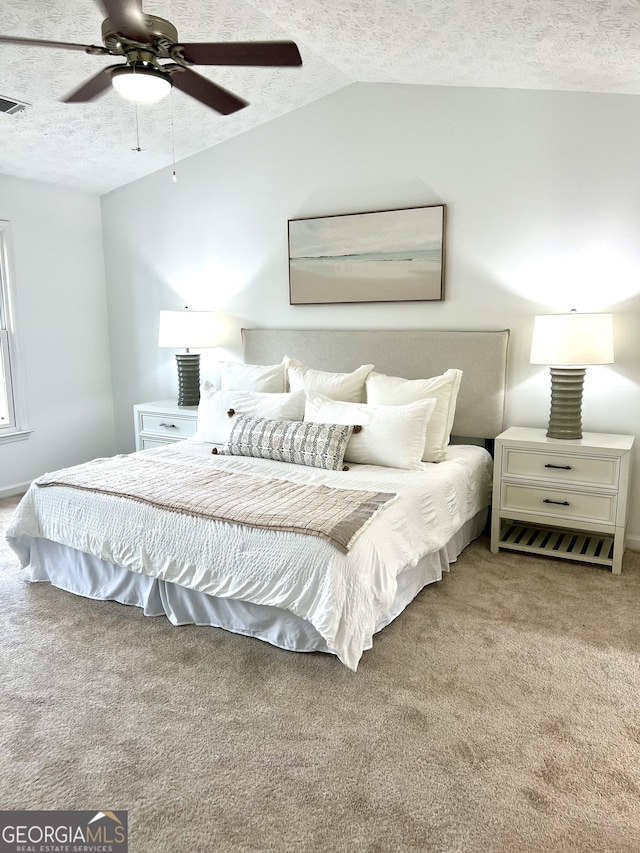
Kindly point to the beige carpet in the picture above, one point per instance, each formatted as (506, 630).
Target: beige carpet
(500, 712)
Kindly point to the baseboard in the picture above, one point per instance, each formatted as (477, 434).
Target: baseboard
(16, 489)
(633, 543)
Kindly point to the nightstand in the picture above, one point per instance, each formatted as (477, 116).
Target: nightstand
(561, 498)
(163, 422)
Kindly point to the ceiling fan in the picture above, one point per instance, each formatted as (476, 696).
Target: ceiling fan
(144, 40)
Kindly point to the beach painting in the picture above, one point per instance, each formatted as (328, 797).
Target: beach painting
(386, 256)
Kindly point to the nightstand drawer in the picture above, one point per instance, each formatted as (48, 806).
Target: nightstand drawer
(148, 443)
(561, 468)
(559, 503)
(168, 425)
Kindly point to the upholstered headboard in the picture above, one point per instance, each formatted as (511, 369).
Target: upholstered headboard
(417, 354)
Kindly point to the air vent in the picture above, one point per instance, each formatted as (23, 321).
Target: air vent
(10, 105)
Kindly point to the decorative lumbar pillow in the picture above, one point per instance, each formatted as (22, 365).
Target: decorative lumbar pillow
(270, 378)
(395, 391)
(314, 445)
(392, 436)
(215, 422)
(337, 386)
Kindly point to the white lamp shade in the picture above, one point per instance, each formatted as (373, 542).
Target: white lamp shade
(197, 329)
(572, 339)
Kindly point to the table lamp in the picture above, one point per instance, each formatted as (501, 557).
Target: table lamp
(188, 329)
(568, 343)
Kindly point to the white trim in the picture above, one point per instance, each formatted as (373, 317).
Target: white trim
(17, 391)
(7, 423)
(633, 543)
(16, 489)
(15, 435)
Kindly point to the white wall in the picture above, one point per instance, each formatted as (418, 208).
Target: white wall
(543, 196)
(57, 262)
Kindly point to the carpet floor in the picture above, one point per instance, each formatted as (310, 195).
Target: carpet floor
(499, 712)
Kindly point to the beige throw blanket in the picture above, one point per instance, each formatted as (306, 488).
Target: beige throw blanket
(336, 515)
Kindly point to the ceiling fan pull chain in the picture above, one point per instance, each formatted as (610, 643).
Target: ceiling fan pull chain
(137, 148)
(173, 141)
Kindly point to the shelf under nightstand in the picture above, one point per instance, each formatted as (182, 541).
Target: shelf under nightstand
(556, 542)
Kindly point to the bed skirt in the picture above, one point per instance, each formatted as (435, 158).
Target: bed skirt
(85, 575)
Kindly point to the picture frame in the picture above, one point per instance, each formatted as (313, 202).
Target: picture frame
(380, 256)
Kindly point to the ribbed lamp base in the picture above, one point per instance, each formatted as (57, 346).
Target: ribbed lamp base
(565, 418)
(188, 378)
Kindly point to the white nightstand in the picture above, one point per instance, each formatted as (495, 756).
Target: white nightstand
(163, 422)
(562, 498)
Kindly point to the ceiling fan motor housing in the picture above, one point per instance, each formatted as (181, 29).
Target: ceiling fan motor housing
(162, 35)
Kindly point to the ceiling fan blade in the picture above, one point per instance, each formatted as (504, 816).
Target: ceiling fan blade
(208, 93)
(91, 88)
(127, 18)
(63, 44)
(267, 53)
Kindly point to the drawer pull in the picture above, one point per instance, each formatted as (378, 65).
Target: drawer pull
(169, 426)
(560, 503)
(564, 467)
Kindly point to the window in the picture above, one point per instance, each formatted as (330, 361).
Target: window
(7, 395)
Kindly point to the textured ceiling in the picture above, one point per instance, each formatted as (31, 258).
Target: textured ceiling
(576, 45)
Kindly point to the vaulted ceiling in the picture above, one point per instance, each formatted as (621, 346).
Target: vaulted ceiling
(574, 45)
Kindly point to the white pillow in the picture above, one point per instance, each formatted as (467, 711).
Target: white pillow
(214, 422)
(337, 386)
(392, 436)
(394, 391)
(270, 378)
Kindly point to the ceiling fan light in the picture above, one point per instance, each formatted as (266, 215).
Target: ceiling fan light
(144, 85)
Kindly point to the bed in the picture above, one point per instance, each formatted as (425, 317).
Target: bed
(297, 589)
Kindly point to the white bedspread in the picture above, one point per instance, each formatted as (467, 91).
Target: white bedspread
(341, 595)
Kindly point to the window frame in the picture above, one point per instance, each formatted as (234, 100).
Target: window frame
(14, 429)
(6, 385)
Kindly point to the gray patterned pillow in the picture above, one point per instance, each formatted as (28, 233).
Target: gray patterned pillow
(299, 442)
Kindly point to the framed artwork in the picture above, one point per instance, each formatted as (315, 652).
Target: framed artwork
(386, 256)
